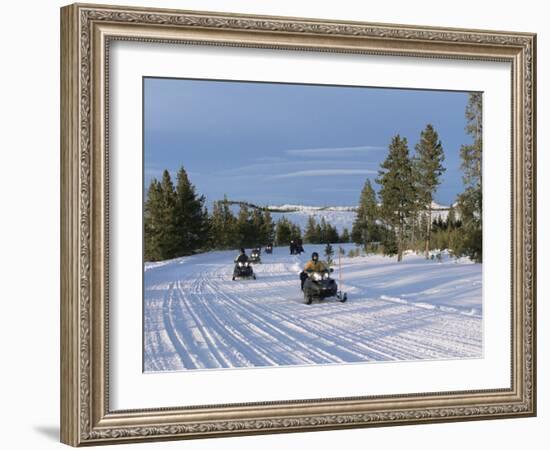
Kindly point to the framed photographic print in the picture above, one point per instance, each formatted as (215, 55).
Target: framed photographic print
(276, 224)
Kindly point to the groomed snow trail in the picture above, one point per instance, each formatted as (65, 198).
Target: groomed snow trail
(197, 318)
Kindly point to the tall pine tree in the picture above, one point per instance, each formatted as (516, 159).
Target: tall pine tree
(311, 235)
(429, 168)
(397, 191)
(471, 200)
(244, 229)
(153, 222)
(268, 228)
(283, 231)
(222, 226)
(364, 227)
(191, 219)
(160, 220)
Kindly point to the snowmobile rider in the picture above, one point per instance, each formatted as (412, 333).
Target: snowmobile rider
(313, 265)
(241, 257)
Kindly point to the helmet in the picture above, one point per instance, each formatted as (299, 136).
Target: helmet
(242, 250)
(315, 256)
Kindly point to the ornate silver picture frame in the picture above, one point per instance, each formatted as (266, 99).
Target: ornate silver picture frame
(87, 34)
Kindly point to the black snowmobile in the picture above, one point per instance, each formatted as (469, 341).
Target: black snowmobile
(296, 248)
(269, 249)
(255, 256)
(243, 269)
(319, 285)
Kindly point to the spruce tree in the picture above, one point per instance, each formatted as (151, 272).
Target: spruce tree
(397, 191)
(310, 234)
(159, 220)
(345, 237)
(257, 228)
(470, 201)
(283, 231)
(429, 168)
(268, 228)
(332, 234)
(244, 229)
(190, 217)
(295, 232)
(222, 234)
(319, 233)
(364, 225)
(324, 234)
(472, 154)
(152, 222)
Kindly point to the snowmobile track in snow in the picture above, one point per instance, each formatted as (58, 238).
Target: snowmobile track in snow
(197, 318)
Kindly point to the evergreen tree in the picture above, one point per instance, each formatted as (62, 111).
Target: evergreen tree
(451, 218)
(429, 168)
(319, 233)
(324, 234)
(332, 234)
(244, 229)
(397, 191)
(268, 228)
(471, 154)
(222, 222)
(423, 230)
(295, 232)
(364, 227)
(152, 222)
(283, 231)
(471, 200)
(257, 228)
(345, 237)
(190, 218)
(160, 236)
(311, 235)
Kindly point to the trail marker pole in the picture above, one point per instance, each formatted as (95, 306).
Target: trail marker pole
(340, 268)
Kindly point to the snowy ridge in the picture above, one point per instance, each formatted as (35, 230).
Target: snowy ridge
(305, 208)
(197, 318)
(339, 216)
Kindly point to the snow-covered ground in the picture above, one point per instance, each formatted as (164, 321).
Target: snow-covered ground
(197, 318)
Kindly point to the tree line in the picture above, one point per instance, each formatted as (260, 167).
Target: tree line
(399, 217)
(177, 223)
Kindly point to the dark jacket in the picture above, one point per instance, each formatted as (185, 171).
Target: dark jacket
(241, 258)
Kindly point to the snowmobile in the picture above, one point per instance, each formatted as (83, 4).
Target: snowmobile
(255, 256)
(243, 270)
(319, 285)
(269, 249)
(296, 248)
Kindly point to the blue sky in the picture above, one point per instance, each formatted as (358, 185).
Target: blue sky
(271, 143)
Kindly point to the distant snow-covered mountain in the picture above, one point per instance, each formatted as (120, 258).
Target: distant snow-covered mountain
(339, 216)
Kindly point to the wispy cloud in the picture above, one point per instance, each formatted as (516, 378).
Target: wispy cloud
(324, 173)
(332, 150)
(284, 166)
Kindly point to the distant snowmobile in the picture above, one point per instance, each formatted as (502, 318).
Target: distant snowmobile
(269, 249)
(296, 248)
(319, 285)
(243, 270)
(255, 256)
